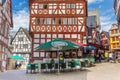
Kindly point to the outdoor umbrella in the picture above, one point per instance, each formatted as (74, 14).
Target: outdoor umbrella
(90, 47)
(80, 44)
(17, 57)
(57, 44)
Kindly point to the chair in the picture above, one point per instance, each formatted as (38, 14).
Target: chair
(28, 67)
(87, 63)
(72, 64)
(92, 60)
(63, 66)
(49, 66)
(56, 66)
(43, 66)
(37, 67)
(83, 64)
(77, 64)
(69, 65)
(32, 68)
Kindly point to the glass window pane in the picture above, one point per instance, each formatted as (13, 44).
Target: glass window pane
(64, 20)
(68, 5)
(40, 5)
(54, 36)
(69, 21)
(72, 5)
(67, 35)
(36, 36)
(37, 21)
(53, 21)
(60, 35)
(42, 35)
(36, 40)
(36, 54)
(48, 20)
(48, 35)
(42, 40)
(74, 35)
(42, 54)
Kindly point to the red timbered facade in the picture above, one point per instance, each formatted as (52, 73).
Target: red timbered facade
(5, 25)
(50, 19)
(105, 40)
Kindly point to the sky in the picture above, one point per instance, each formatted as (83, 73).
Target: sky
(20, 13)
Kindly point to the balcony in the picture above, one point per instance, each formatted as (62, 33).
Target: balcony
(112, 35)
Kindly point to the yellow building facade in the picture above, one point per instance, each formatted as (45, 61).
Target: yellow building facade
(114, 38)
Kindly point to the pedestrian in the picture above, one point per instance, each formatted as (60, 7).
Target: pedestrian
(115, 54)
(114, 58)
(110, 57)
(106, 56)
(16, 65)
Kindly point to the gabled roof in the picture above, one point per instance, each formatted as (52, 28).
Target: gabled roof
(26, 32)
(106, 33)
(114, 26)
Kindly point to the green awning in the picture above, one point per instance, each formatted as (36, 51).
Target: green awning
(17, 57)
(57, 44)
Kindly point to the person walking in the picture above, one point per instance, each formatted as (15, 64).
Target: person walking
(115, 56)
(106, 56)
(110, 57)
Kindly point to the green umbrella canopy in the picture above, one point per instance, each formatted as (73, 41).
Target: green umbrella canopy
(17, 57)
(57, 44)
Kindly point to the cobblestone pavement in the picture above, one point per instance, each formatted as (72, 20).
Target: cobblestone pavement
(104, 71)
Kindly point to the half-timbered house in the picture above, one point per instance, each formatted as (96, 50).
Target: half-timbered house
(105, 40)
(50, 19)
(5, 25)
(22, 44)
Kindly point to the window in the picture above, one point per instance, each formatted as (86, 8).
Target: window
(74, 21)
(16, 46)
(48, 35)
(42, 41)
(117, 38)
(41, 6)
(59, 21)
(54, 36)
(48, 20)
(37, 21)
(69, 21)
(43, 21)
(64, 20)
(45, 6)
(60, 35)
(42, 35)
(72, 5)
(36, 35)
(53, 21)
(113, 39)
(68, 5)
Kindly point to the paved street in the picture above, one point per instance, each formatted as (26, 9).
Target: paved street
(104, 71)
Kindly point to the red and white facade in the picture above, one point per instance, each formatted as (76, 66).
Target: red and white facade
(105, 40)
(5, 25)
(50, 19)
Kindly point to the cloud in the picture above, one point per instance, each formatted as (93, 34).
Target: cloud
(20, 19)
(94, 1)
(106, 22)
(22, 3)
